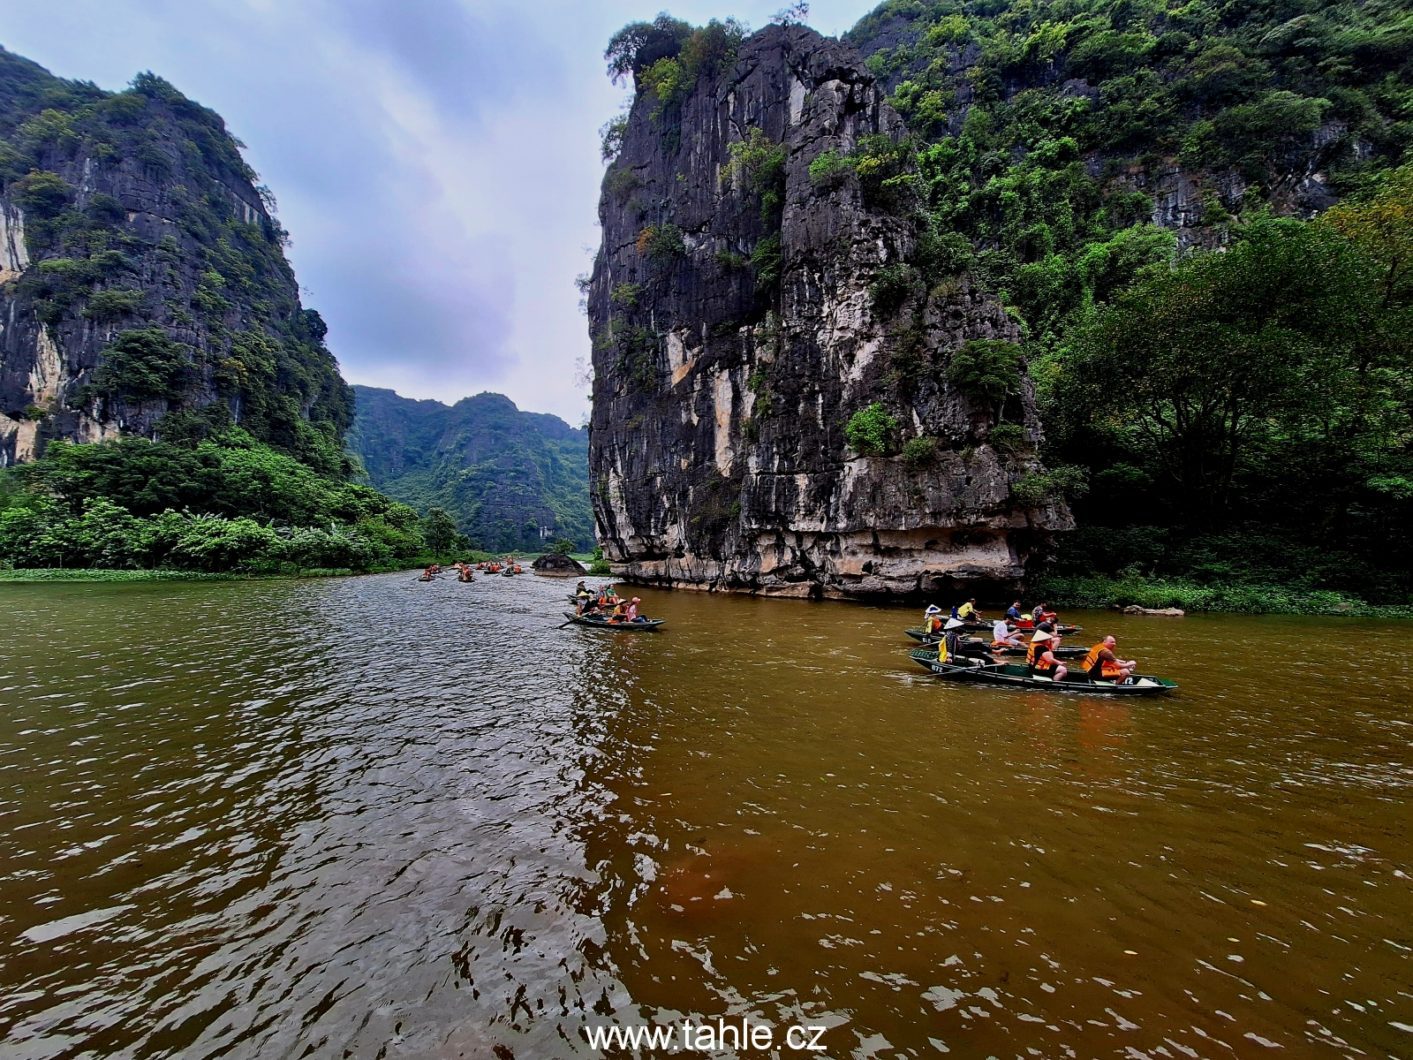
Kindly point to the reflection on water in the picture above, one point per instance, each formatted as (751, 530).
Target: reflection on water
(375, 817)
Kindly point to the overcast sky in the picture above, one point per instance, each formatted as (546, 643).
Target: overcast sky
(436, 162)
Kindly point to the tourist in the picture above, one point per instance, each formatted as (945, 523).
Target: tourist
(632, 610)
(1013, 613)
(1103, 665)
(1040, 656)
(968, 612)
(1003, 636)
(932, 620)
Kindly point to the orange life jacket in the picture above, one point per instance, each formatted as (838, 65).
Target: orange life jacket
(1035, 652)
(1095, 667)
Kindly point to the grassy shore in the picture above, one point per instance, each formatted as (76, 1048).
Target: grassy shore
(56, 574)
(1099, 591)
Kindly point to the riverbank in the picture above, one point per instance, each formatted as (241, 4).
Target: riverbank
(1100, 591)
(163, 574)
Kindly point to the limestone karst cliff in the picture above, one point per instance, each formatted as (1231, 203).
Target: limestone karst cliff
(780, 405)
(143, 284)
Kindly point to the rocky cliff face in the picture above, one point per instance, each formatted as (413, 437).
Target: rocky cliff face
(750, 298)
(143, 285)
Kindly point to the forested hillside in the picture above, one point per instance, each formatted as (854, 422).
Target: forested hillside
(168, 400)
(1242, 415)
(510, 479)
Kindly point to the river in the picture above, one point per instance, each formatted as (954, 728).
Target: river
(373, 817)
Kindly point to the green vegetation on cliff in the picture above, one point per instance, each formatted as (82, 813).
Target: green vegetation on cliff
(510, 480)
(158, 271)
(1225, 378)
(150, 295)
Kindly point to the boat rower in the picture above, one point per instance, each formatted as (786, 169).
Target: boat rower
(968, 612)
(932, 620)
(952, 650)
(1102, 664)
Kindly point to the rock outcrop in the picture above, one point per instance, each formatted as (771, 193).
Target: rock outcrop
(752, 296)
(143, 283)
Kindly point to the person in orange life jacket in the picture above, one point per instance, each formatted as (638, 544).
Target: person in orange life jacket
(932, 620)
(1102, 664)
(1040, 655)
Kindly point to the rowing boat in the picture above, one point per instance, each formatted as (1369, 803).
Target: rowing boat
(643, 625)
(1015, 651)
(1017, 675)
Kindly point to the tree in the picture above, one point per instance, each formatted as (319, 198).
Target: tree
(987, 370)
(440, 532)
(1191, 365)
(638, 45)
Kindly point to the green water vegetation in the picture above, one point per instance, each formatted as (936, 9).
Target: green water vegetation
(227, 504)
(1224, 380)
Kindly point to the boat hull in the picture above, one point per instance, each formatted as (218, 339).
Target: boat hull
(1014, 652)
(1018, 676)
(646, 626)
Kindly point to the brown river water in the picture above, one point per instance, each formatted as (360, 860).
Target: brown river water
(371, 817)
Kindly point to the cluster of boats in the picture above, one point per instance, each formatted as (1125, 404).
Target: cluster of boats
(463, 570)
(948, 651)
(950, 654)
(603, 608)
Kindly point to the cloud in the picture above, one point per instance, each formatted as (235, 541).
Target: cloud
(435, 161)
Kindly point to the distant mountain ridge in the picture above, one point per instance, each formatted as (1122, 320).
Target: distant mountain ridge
(510, 479)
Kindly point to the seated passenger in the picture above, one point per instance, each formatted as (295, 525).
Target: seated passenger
(1003, 636)
(968, 612)
(1039, 656)
(1103, 665)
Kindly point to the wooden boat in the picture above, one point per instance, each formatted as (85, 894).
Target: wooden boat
(646, 625)
(1075, 652)
(1017, 675)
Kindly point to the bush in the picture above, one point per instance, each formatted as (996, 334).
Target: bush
(1007, 437)
(1037, 487)
(871, 431)
(110, 305)
(758, 163)
(661, 242)
(986, 370)
(892, 286)
(920, 452)
(830, 169)
(143, 363)
(765, 261)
